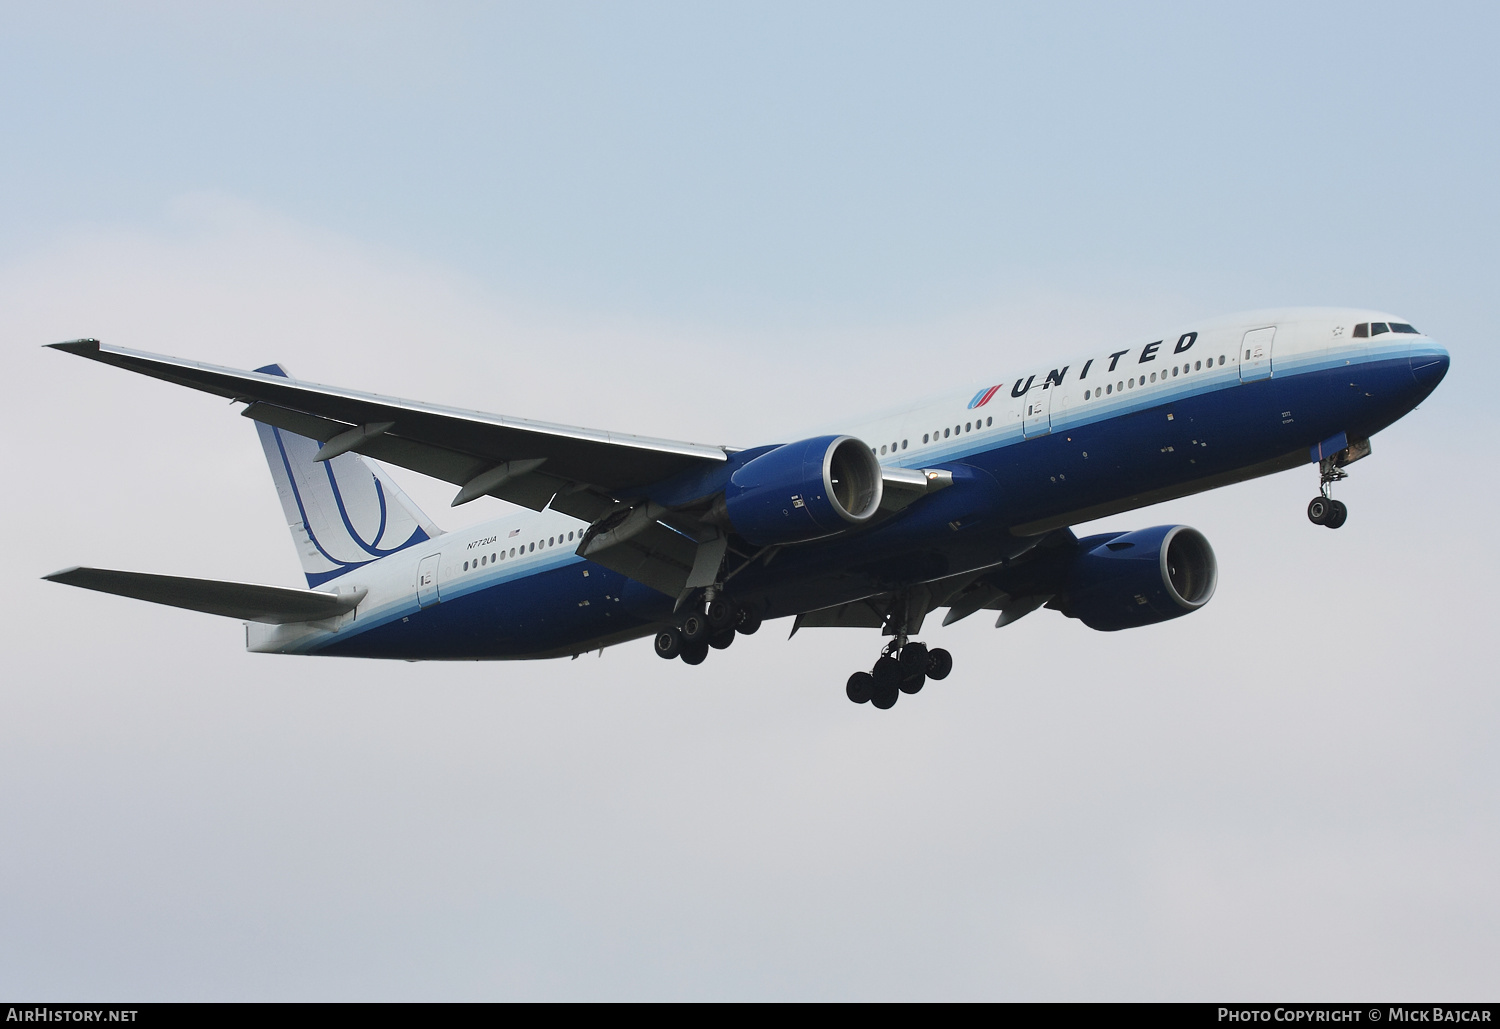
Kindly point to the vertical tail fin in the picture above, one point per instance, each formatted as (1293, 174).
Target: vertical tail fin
(344, 512)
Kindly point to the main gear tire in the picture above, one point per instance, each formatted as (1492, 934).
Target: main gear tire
(939, 663)
(887, 672)
(860, 687)
(668, 644)
(695, 628)
(720, 614)
(914, 659)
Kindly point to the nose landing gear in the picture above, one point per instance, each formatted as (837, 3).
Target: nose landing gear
(1323, 509)
(903, 668)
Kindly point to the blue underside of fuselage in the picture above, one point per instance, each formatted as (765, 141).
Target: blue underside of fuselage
(1227, 428)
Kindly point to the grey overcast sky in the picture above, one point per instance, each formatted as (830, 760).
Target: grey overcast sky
(726, 223)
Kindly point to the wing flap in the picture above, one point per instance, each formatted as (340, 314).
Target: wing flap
(252, 603)
(656, 557)
(859, 614)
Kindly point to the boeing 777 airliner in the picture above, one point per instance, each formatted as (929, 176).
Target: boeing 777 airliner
(961, 503)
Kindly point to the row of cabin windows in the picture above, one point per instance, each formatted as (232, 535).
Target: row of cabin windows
(935, 435)
(1367, 329)
(1182, 369)
(524, 548)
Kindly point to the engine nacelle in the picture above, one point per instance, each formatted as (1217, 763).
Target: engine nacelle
(804, 490)
(1140, 578)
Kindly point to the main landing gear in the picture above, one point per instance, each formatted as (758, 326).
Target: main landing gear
(1323, 509)
(903, 668)
(714, 626)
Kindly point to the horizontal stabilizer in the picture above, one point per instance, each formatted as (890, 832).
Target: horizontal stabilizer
(273, 604)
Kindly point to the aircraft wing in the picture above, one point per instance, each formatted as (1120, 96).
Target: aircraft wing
(274, 604)
(1015, 588)
(581, 472)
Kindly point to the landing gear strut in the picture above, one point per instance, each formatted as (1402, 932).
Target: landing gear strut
(1323, 509)
(904, 667)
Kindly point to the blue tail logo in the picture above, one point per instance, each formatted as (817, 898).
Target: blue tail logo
(343, 513)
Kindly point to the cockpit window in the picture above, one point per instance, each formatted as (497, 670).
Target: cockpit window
(1403, 327)
(1376, 328)
(1362, 330)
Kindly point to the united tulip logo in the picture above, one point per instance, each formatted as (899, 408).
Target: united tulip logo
(983, 397)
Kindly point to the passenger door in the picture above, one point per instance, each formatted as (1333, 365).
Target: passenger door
(1036, 418)
(1255, 354)
(427, 581)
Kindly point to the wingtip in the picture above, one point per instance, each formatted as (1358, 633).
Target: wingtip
(61, 574)
(82, 347)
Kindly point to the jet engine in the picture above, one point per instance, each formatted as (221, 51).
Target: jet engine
(804, 490)
(1139, 578)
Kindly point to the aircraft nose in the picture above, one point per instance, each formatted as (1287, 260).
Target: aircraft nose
(1429, 363)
